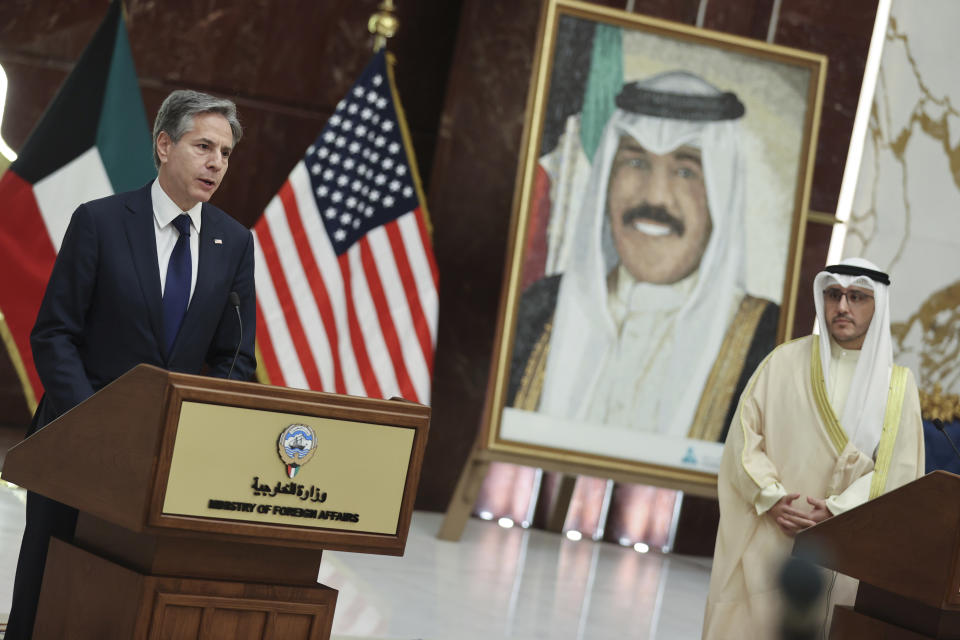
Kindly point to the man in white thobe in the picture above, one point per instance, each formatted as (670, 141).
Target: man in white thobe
(826, 423)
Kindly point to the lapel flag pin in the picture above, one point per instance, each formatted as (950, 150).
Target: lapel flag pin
(217, 241)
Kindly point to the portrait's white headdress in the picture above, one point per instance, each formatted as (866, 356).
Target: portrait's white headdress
(661, 113)
(862, 418)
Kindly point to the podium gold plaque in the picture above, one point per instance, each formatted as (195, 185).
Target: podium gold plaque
(205, 504)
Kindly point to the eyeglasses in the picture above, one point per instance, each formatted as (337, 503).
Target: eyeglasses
(854, 298)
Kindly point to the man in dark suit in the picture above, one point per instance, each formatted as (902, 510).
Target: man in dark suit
(141, 277)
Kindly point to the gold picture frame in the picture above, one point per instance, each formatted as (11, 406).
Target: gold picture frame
(538, 397)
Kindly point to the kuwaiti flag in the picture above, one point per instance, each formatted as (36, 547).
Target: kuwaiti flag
(92, 141)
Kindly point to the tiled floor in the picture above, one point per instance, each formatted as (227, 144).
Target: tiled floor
(494, 583)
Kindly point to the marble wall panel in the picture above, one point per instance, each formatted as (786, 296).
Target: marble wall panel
(812, 259)
(841, 31)
(685, 11)
(53, 31)
(905, 211)
(748, 19)
(32, 84)
(470, 199)
(286, 65)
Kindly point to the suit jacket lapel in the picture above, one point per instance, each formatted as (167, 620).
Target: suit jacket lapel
(142, 237)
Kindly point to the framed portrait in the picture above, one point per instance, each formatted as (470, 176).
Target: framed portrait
(659, 208)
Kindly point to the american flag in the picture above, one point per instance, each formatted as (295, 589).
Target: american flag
(345, 275)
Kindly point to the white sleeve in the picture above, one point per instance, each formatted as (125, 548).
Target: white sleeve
(853, 496)
(768, 496)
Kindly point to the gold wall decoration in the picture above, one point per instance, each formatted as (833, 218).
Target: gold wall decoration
(936, 405)
(903, 216)
(930, 337)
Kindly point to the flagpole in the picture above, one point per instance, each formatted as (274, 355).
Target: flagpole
(383, 24)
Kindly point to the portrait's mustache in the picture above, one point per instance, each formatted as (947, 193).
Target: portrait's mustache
(654, 214)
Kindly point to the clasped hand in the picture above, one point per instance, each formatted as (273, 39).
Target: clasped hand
(791, 520)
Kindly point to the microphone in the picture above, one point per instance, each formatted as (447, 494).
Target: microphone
(235, 301)
(938, 423)
(802, 587)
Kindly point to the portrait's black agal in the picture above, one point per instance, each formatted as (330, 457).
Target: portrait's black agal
(660, 199)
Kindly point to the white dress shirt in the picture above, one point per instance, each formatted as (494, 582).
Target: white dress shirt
(843, 364)
(165, 211)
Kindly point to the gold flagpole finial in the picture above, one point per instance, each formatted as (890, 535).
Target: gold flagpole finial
(383, 24)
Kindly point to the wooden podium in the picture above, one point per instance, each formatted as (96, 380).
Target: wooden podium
(904, 547)
(205, 505)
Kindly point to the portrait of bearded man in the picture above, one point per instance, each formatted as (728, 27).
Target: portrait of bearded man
(650, 326)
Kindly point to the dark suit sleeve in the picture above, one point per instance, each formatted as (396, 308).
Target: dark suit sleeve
(59, 330)
(224, 344)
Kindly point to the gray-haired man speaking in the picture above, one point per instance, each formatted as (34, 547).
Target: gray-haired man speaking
(141, 277)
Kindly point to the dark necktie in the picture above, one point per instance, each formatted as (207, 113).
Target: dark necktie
(176, 289)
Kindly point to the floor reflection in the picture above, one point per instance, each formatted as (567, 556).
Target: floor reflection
(13, 502)
(598, 508)
(497, 582)
(518, 583)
